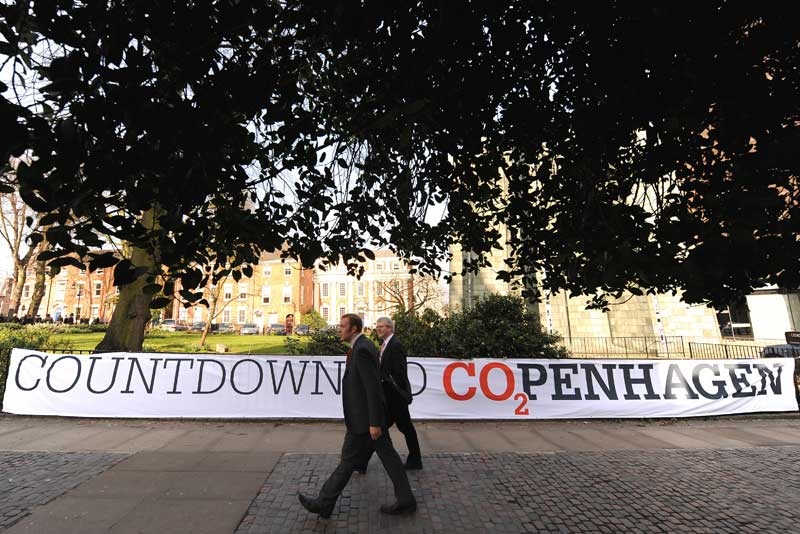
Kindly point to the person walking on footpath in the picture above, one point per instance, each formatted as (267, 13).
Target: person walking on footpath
(366, 430)
(397, 389)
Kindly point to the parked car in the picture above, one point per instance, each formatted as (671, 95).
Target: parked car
(277, 329)
(784, 350)
(301, 330)
(197, 326)
(249, 329)
(223, 328)
(174, 325)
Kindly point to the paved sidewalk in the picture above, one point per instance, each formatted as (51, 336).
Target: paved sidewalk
(220, 477)
(33, 478)
(712, 491)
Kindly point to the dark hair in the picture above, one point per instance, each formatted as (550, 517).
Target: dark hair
(354, 320)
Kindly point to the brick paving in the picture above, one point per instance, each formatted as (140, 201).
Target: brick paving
(30, 479)
(699, 491)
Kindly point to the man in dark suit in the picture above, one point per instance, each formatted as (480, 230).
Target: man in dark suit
(394, 374)
(362, 400)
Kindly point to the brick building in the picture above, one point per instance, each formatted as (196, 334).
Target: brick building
(276, 289)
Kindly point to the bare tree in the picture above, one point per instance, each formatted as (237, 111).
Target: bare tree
(14, 229)
(214, 292)
(410, 294)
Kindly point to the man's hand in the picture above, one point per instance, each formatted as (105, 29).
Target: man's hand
(375, 432)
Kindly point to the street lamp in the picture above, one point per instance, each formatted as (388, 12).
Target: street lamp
(78, 292)
(49, 292)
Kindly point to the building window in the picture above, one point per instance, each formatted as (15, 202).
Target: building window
(82, 271)
(287, 294)
(61, 288)
(95, 312)
(395, 266)
(396, 285)
(26, 291)
(77, 313)
(342, 311)
(183, 314)
(325, 313)
(379, 266)
(287, 271)
(98, 288)
(325, 289)
(226, 316)
(242, 313)
(227, 292)
(242, 291)
(79, 289)
(342, 290)
(99, 271)
(266, 293)
(198, 314)
(267, 271)
(360, 289)
(379, 289)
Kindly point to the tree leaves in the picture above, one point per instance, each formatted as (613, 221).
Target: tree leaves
(159, 302)
(586, 143)
(102, 260)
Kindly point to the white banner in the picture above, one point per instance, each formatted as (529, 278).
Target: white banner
(221, 386)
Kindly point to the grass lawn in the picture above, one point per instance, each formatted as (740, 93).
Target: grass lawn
(184, 342)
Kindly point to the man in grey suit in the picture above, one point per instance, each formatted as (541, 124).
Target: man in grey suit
(394, 371)
(363, 404)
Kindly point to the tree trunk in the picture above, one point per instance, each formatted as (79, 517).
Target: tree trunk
(125, 332)
(207, 328)
(20, 274)
(38, 290)
(213, 296)
(204, 335)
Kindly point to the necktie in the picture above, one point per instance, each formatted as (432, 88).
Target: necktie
(383, 346)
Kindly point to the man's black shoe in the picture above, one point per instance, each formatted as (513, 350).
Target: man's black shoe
(399, 509)
(413, 466)
(313, 506)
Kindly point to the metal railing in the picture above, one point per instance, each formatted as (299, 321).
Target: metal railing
(625, 347)
(711, 351)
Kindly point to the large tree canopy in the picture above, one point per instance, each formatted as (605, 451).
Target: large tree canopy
(623, 146)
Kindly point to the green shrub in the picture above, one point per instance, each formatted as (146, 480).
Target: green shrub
(25, 337)
(294, 345)
(496, 327)
(314, 320)
(60, 328)
(325, 341)
(22, 337)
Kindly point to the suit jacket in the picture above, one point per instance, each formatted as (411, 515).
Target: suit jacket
(394, 363)
(362, 394)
